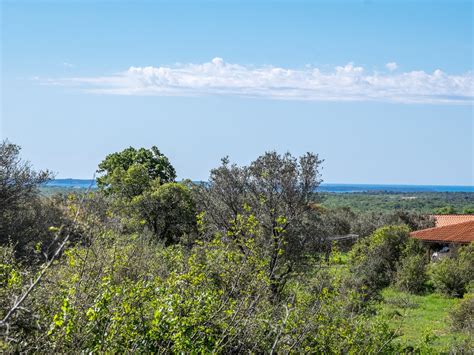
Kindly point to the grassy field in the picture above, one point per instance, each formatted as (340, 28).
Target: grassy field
(419, 319)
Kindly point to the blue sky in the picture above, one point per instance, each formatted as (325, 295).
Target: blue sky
(382, 90)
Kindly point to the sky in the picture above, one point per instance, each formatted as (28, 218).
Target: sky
(381, 90)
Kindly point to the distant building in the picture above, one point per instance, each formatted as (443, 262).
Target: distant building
(448, 219)
(446, 237)
(454, 233)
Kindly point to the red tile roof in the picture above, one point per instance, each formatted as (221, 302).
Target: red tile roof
(452, 233)
(447, 219)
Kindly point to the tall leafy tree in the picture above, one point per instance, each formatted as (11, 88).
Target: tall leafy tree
(131, 171)
(141, 185)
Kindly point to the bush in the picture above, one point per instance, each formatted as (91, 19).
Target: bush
(411, 274)
(168, 211)
(462, 317)
(126, 293)
(25, 217)
(452, 276)
(374, 260)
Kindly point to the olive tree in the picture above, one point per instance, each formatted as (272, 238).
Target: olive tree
(18, 181)
(278, 190)
(24, 217)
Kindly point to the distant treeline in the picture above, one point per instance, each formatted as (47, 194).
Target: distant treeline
(421, 202)
(374, 201)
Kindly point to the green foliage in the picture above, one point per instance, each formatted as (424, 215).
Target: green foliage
(366, 223)
(412, 273)
(387, 202)
(446, 210)
(250, 270)
(278, 190)
(374, 260)
(10, 272)
(453, 275)
(144, 196)
(462, 316)
(168, 210)
(124, 293)
(129, 172)
(13, 276)
(422, 322)
(24, 216)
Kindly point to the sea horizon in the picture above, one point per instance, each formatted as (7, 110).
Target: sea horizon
(324, 187)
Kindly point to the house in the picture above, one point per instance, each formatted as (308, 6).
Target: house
(447, 219)
(458, 233)
(443, 238)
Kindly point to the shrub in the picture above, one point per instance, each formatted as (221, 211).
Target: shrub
(126, 293)
(462, 316)
(411, 274)
(24, 215)
(452, 276)
(373, 260)
(168, 211)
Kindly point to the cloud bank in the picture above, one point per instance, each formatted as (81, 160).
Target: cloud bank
(343, 83)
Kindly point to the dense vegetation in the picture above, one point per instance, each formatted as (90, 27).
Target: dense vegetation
(420, 202)
(246, 263)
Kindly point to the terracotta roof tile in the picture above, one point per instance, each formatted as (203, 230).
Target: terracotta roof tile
(447, 219)
(452, 233)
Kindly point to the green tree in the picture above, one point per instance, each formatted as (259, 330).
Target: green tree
(168, 211)
(18, 181)
(446, 210)
(130, 172)
(468, 210)
(144, 194)
(279, 190)
(364, 224)
(24, 216)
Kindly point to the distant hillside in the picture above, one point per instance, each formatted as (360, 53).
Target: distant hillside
(325, 187)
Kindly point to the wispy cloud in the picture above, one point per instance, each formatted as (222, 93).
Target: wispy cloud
(391, 66)
(343, 83)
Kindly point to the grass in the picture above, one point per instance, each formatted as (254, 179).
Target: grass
(420, 319)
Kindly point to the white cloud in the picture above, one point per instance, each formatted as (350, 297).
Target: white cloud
(344, 83)
(68, 65)
(391, 66)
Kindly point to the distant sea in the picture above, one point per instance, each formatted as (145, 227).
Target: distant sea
(325, 187)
